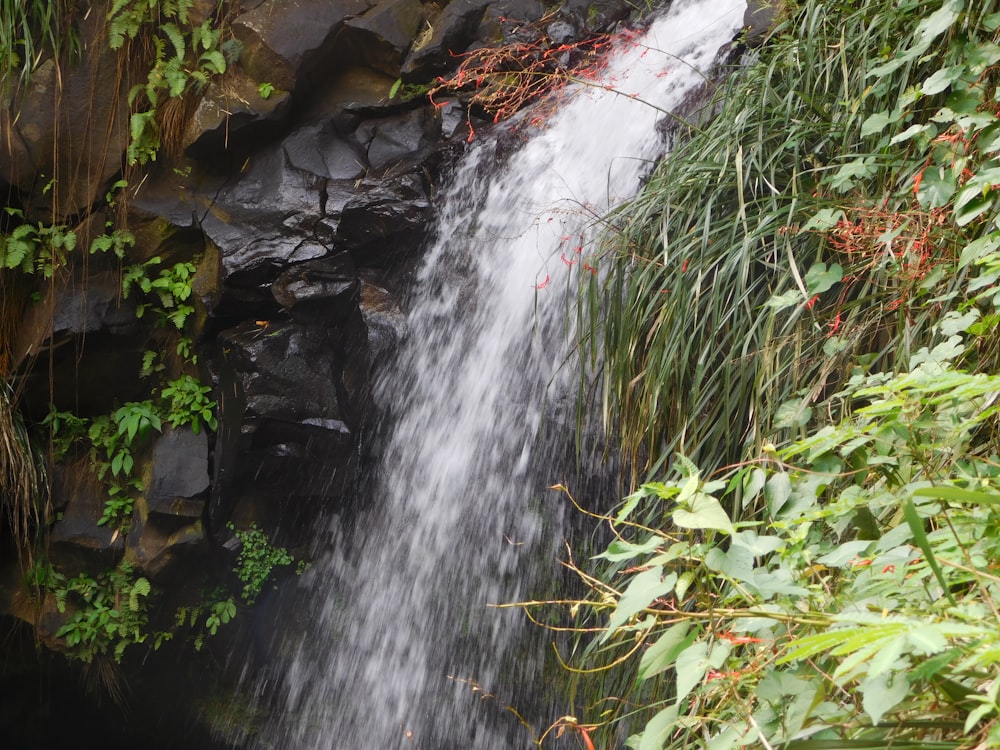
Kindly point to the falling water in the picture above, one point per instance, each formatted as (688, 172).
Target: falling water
(458, 511)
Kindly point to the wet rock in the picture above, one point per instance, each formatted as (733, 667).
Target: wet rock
(291, 396)
(382, 36)
(323, 291)
(384, 320)
(178, 472)
(58, 129)
(759, 18)
(404, 140)
(288, 372)
(449, 32)
(162, 550)
(353, 94)
(318, 149)
(267, 221)
(233, 114)
(77, 542)
(387, 219)
(285, 40)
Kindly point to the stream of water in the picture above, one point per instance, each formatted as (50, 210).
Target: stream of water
(459, 516)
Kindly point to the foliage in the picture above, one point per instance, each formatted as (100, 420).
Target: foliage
(815, 269)
(256, 560)
(725, 293)
(184, 58)
(502, 79)
(189, 403)
(171, 287)
(30, 30)
(22, 482)
(858, 608)
(111, 611)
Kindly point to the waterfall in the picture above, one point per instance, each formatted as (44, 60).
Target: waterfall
(458, 515)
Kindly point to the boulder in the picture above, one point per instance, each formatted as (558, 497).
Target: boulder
(77, 542)
(56, 129)
(322, 291)
(402, 141)
(233, 114)
(286, 40)
(449, 33)
(387, 219)
(382, 36)
(178, 472)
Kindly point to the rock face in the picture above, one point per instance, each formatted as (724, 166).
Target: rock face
(301, 198)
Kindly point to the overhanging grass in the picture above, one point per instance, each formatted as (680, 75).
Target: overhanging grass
(696, 360)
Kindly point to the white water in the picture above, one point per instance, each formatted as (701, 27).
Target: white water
(457, 512)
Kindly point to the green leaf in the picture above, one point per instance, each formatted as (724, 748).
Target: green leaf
(777, 491)
(692, 664)
(176, 38)
(858, 169)
(824, 219)
(912, 131)
(620, 549)
(705, 512)
(942, 79)
(661, 655)
(882, 693)
(920, 537)
(642, 590)
(878, 122)
(819, 278)
(979, 248)
(657, 729)
(959, 495)
(936, 187)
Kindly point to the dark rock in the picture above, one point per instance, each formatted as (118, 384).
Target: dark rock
(352, 94)
(233, 114)
(562, 31)
(288, 372)
(387, 219)
(516, 15)
(76, 541)
(452, 115)
(450, 32)
(403, 140)
(759, 18)
(93, 305)
(382, 36)
(320, 150)
(267, 221)
(384, 320)
(162, 549)
(178, 472)
(285, 40)
(58, 129)
(292, 396)
(323, 290)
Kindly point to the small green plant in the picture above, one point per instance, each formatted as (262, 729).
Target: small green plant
(187, 402)
(111, 612)
(256, 560)
(36, 248)
(184, 59)
(170, 287)
(265, 90)
(65, 428)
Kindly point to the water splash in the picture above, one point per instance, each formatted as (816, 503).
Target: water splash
(455, 522)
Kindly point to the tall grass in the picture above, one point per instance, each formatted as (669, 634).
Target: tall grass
(30, 30)
(22, 483)
(696, 360)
